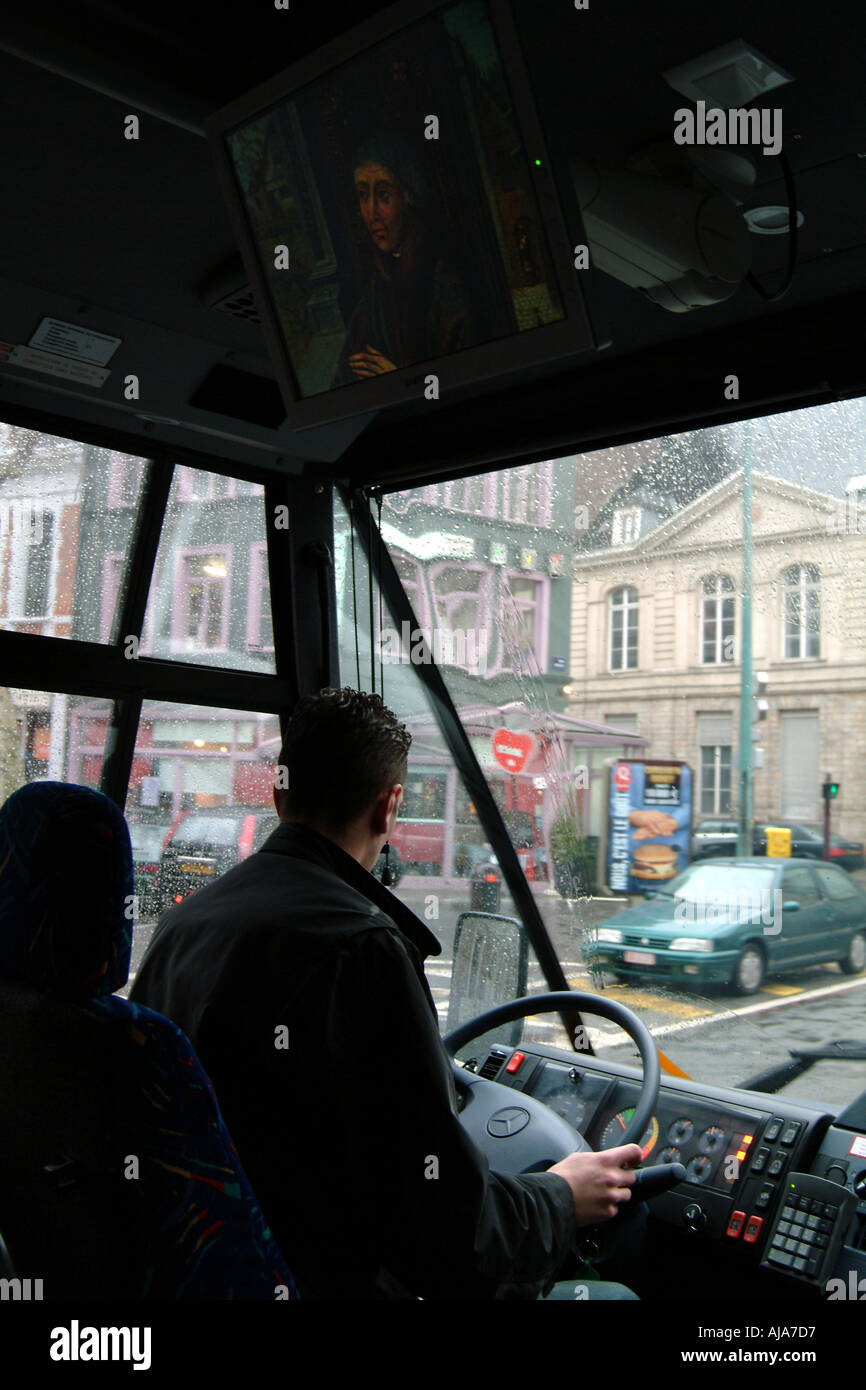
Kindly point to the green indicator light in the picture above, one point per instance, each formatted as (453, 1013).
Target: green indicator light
(538, 163)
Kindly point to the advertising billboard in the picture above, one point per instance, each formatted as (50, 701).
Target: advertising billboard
(649, 823)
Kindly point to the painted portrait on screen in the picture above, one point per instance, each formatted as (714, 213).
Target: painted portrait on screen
(392, 206)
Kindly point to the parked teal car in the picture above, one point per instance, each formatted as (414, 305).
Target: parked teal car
(733, 921)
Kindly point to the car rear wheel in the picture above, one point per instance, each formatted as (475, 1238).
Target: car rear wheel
(749, 970)
(855, 961)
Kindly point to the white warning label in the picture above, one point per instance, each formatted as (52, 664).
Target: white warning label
(71, 340)
(858, 1148)
(55, 365)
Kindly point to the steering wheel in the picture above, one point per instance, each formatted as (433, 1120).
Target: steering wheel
(521, 1135)
(518, 1133)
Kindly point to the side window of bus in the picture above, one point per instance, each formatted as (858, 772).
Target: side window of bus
(209, 601)
(67, 519)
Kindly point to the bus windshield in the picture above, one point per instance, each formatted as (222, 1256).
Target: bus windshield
(596, 612)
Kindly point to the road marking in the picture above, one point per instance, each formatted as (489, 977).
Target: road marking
(804, 998)
(655, 1003)
(727, 1014)
(690, 1015)
(597, 1036)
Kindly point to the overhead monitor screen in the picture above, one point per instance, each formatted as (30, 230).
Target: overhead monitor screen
(396, 218)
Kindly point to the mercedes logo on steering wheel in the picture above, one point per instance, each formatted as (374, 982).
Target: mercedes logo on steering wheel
(507, 1122)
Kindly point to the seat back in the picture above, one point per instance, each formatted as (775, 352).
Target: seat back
(118, 1178)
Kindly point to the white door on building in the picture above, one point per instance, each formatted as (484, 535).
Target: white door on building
(800, 770)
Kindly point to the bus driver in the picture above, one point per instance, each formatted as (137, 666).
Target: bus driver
(299, 979)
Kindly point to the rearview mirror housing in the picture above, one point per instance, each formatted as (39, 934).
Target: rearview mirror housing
(491, 958)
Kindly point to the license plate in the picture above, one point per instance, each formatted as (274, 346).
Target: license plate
(197, 868)
(638, 958)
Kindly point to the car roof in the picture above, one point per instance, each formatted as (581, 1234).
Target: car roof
(763, 861)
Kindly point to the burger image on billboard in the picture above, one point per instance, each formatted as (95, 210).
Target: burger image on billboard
(654, 861)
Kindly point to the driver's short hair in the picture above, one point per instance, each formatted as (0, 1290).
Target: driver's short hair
(341, 750)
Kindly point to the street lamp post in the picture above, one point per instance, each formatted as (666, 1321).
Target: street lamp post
(744, 835)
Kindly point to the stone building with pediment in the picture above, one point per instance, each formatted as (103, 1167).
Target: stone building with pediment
(656, 633)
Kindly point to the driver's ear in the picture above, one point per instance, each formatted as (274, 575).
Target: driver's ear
(380, 815)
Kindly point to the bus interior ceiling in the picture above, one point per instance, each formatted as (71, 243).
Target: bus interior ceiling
(131, 237)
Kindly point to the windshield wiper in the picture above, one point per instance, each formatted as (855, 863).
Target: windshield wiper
(802, 1058)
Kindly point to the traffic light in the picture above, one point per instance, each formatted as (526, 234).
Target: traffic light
(760, 706)
(830, 790)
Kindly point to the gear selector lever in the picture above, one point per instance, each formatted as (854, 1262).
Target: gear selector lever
(649, 1182)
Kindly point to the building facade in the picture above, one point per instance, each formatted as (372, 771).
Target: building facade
(67, 520)
(656, 633)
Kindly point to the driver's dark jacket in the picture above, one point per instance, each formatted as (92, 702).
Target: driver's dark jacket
(299, 979)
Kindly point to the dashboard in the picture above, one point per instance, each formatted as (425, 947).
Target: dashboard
(771, 1182)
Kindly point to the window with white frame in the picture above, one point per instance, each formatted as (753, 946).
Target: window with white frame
(411, 573)
(626, 525)
(623, 629)
(112, 574)
(463, 605)
(124, 479)
(260, 628)
(38, 559)
(197, 485)
(474, 495)
(200, 621)
(802, 612)
(112, 577)
(524, 624)
(717, 619)
(527, 494)
(716, 767)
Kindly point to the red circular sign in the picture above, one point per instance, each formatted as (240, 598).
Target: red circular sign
(512, 751)
(622, 776)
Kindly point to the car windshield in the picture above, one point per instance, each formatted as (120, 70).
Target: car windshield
(645, 646)
(146, 840)
(722, 883)
(207, 830)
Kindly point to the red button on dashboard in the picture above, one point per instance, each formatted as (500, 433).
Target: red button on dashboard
(515, 1061)
(735, 1225)
(753, 1229)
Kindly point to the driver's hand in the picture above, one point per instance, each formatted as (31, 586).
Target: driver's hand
(599, 1182)
(370, 362)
